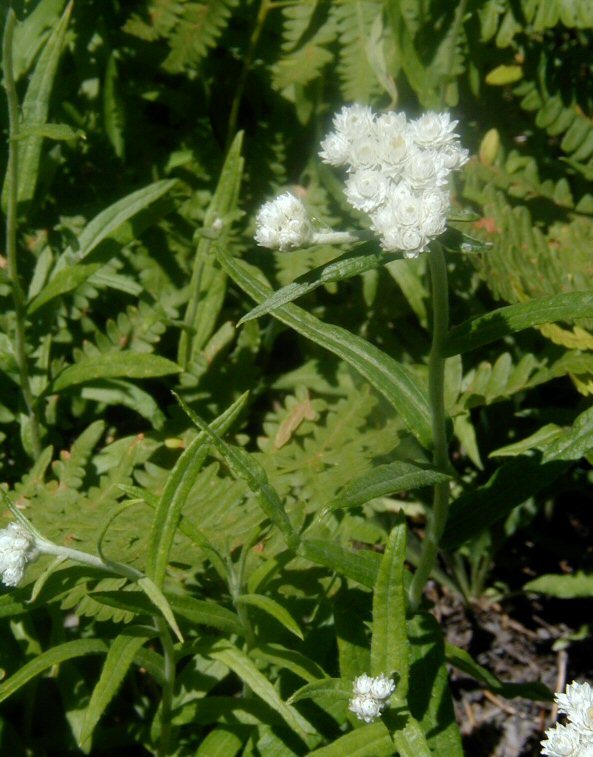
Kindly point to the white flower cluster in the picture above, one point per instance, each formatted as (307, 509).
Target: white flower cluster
(575, 739)
(283, 224)
(397, 172)
(17, 548)
(370, 696)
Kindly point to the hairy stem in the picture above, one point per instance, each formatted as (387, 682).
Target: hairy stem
(436, 389)
(168, 685)
(11, 233)
(262, 14)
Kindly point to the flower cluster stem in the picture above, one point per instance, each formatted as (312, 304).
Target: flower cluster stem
(11, 233)
(436, 390)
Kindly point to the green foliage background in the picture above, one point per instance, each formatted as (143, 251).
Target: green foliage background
(187, 113)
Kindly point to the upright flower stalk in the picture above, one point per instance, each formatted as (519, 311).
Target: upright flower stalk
(397, 172)
(11, 232)
(436, 393)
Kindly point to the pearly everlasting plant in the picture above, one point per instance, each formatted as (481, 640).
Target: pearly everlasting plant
(575, 739)
(397, 173)
(370, 696)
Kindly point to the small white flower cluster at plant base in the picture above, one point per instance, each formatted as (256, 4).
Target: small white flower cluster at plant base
(17, 548)
(397, 173)
(370, 696)
(575, 739)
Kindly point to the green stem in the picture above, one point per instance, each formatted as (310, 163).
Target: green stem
(11, 233)
(264, 9)
(168, 686)
(436, 390)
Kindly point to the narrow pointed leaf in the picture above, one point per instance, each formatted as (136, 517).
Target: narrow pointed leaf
(429, 698)
(361, 566)
(208, 282)
(58, 132)
(568, 586)
(223, 741)
(385, 480)
(290, 659)
(476, 332)
(389, 645)
(245, 668)
(179, 484)
(159, 600)
(368, 741)
(117, 663)
(365, 258)
(336, 688)
(47, 659)
(575, 442)
(111, 225)
(35, 108)
(136, 365)
(390, 378)
(204, 613)
(273, 609)
(508, 487)
(463, 661)
(245, 466)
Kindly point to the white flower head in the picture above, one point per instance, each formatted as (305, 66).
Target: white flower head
(433, 130)
(370, 696)
(365, 708)
(382, 687)
(424, 169)
(17, 548)
(562, 741)
(577, 703)
(453, 156)
(362, 684)
(335, 149)
(283, 224)
(366, 189)
(354, 121)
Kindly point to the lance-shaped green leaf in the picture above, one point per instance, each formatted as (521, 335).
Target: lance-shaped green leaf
(429, 698)
(47, 659)
(137, 365)
(110, 225)
(569, 586)
(390, 378)
(365, 258)
(508, 487)
(336, 688)
(35, 107)
(208, 283)
(369, 741)
(389, 644)
(223, 741)
(476, 332)
(456, 241)
(245, 466)
(290, 659)
(463, 661)
(273, 609)
(159, 600)
(385, 480)
(245, 668)
(409, 738)
(361, 566)
(57, 132)
(575, 442)
(119, 658)
(179, 484)
(204, 613)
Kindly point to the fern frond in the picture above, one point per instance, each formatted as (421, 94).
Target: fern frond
(354, 20)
